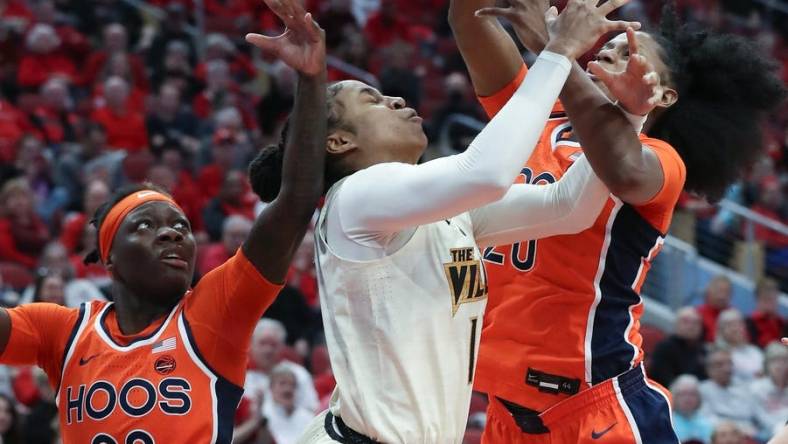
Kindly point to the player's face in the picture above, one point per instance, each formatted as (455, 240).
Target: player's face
(385, 129)
(614, 56)
(153, 252)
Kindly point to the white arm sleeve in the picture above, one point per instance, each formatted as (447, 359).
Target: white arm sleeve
(527, 212)
(390, 197)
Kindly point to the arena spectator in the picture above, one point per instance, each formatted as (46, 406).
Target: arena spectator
(174, 31)
(50, 288)
(689, 418)
(175, 67)
(268, 343)
(234, 232)
(219, 47)
(170, 123)
(55, 260)
(9, 298)
(69, 170)
(338, 21)
(55, 118)
(10, 423)
(770, 392)
(22, 233)
(43, 59)
(728, 432)
(233, 198)
(397, 78)
(42, 425)
(13, 125)
(286, 419)
(386, 26)
(74, 44)
(125, 127)
(96, 193)
(115, 43)
(681, 352)
(765, 324)
(717, 299)
(724, 398)
(732, 334)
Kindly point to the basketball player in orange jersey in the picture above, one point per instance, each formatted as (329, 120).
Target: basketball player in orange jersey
(163, 363)
(560, 356)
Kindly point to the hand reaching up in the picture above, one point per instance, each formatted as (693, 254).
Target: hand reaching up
(637, 88)
(581, 24)
(302, 46)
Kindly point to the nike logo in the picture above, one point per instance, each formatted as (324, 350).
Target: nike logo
(595, 435)
(83, 361)
(142, 194)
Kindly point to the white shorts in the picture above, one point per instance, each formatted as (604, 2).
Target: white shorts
(315, 432)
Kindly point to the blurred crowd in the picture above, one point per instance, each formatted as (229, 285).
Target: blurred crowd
(95, 94)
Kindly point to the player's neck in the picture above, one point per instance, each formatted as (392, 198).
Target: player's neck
(133, 313)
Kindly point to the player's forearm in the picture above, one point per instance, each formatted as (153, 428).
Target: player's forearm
(304, 155)
(531, 211)
(608, 138)
(490, 54)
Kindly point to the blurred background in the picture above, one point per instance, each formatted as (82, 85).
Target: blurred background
(95, 94)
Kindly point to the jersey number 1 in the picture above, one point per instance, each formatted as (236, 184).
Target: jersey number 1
(472, 360)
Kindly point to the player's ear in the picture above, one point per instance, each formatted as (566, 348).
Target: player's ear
(668, 98)
(340, 142)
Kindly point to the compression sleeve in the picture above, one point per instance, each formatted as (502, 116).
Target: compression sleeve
(528, 212)
(390, 197)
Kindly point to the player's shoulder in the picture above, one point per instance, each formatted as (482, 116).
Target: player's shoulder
(666, 153)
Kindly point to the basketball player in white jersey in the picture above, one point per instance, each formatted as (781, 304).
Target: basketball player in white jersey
(402, 286)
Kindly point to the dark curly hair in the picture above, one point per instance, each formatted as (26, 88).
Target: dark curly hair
(265, 170)
(726, 87)
(103, 210)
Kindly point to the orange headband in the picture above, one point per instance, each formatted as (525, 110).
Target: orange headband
(119, 212)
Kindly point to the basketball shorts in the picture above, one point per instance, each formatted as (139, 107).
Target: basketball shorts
(626, 409)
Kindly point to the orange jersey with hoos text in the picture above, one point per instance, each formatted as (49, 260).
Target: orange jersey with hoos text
(563, 312)
(179, 380)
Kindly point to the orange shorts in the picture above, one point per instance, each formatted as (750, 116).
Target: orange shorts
(626, 409)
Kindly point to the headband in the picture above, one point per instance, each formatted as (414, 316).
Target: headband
(119, 212)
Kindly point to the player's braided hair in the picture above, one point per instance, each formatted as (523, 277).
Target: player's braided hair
(265, 170)
(726, 86)
(103, 210)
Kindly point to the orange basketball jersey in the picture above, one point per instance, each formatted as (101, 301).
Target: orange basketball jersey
(155, 389)
(179, 380)
(563, 312)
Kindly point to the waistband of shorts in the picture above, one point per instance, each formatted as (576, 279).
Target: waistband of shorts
(631, 381)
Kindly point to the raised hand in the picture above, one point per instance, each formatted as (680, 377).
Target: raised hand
(637, 88)
(528, 19)
(302, 46)
(581, 24)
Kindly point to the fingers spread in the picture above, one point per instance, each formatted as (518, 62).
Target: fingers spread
(263, 42)
(632, 41)
(611, 5)
(492, 11)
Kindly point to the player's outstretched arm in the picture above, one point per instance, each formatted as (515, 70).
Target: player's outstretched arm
(632, 172)
(280, 227)
(491, 56)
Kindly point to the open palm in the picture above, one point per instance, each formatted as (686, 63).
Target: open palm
(637, 87)
(302, 45)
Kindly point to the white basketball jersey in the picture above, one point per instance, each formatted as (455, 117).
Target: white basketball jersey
(403, 332)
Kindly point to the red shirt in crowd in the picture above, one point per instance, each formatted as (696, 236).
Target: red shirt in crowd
(210, 257)
(210, 180)
(13, 125)
(51, 123)
(22, 243)
(125, 131)
(35, 69)
(771, 238)
(765, 328)
(709, 315)
(97, 60)
(72, 231)
(381, 32)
